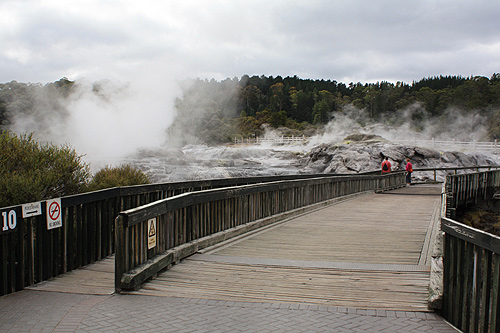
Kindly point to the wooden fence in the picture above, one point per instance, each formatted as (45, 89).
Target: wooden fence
(471, 279)
(152, 237)
(442, 172)
(469, 189)
(30, 252)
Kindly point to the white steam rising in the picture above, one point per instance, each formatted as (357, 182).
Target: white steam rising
(109, 122)
(105, 122)
(411, 123)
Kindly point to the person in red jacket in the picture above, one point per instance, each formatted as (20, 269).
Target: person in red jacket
(409, 170)
(386, 166)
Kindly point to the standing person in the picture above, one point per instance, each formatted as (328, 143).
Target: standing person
(386, 166)
(409, 170)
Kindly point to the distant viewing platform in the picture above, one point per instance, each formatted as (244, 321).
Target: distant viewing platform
(275, 140)
(304, 140)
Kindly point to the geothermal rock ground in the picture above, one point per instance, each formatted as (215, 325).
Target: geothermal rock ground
(356, 154)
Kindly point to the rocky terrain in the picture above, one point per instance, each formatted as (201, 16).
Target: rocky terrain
(363, 153)
(196, 162)
(356, 154)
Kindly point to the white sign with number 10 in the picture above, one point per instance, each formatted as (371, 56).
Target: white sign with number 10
(9, 220)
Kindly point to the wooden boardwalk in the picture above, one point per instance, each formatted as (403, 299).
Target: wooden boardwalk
(94, 279)
(369, 252)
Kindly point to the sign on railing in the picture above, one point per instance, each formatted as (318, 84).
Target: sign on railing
(9, 220)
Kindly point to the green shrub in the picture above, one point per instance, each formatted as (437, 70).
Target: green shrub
(30, 171)
(124, 175)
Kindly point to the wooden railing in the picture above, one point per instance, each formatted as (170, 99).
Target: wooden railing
(471, 279)
(30, 252)
(469, 189)
(454, 170)
(154, 236)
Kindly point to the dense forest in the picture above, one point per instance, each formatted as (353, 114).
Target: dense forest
(213, 111)
(240, 107)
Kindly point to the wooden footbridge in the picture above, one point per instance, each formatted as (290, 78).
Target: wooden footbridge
(368, 251)
(371, 251)
(361, 241)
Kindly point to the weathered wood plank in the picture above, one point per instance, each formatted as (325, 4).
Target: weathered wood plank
(94, 279)
(369, 229)
(370, 289)
(372, 228)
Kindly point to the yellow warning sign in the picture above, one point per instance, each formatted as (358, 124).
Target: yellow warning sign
(151, 233)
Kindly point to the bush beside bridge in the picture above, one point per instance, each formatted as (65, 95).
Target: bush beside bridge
(31, 171)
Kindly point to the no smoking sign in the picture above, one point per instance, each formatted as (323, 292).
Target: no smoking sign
(54, 214)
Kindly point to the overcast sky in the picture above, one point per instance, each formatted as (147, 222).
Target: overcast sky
(347, 41)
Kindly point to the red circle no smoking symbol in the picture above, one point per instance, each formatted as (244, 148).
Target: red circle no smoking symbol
(54, 211)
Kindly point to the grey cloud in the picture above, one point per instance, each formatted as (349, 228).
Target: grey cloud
(342, 40)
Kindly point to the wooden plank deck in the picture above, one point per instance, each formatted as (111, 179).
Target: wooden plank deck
(369, 252)
(95, 279)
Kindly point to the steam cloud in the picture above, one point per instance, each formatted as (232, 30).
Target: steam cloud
(413, 122)
(105, 122)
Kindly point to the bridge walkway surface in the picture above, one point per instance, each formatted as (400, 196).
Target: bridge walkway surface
(357, 265)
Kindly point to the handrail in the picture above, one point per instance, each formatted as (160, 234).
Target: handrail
(30, 252)
(456, 169)
(477, 167)
(482, 145)
(471, 235)
(466, 189)
(174, 188)
(273, 140)
(185, 186)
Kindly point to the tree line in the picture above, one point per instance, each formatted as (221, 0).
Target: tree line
(211, 111)
(312, 100)
(216, 111)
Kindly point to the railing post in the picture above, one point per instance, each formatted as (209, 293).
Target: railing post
(120, 250)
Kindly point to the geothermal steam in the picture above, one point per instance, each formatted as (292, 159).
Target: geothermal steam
(103, 121)
(410, 123)
(108, 122)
